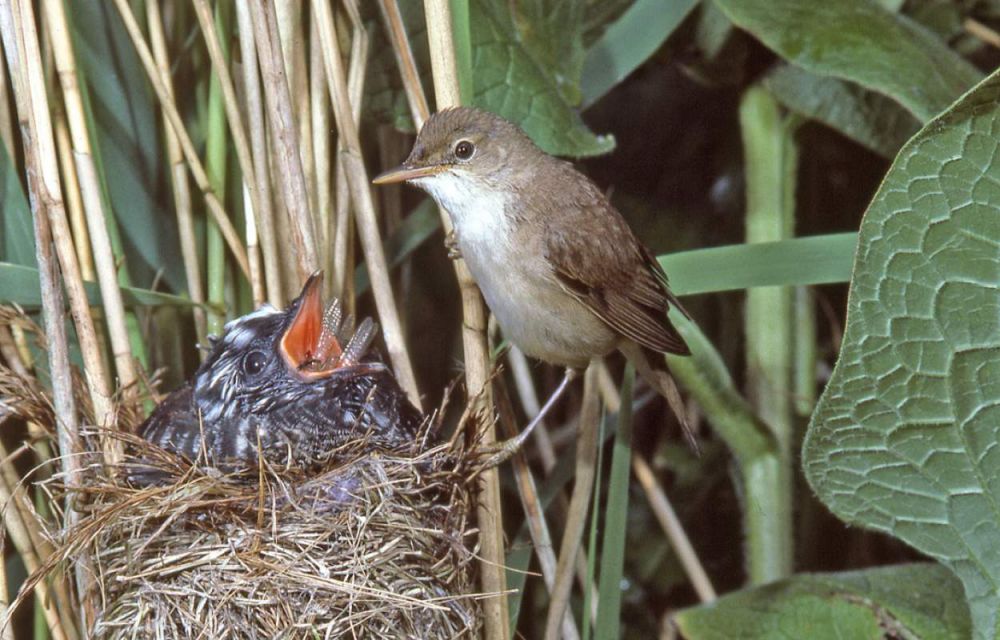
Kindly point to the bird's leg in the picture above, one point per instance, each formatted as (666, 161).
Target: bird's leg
(502, 451)
(451, 244)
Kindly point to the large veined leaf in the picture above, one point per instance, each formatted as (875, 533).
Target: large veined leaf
(527, 58)
(860, 41)
(904, 439)
(909, 601)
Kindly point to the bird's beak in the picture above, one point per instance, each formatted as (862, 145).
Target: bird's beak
(403, 173)
(301, 343)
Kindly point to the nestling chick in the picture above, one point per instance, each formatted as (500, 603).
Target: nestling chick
(288, 384)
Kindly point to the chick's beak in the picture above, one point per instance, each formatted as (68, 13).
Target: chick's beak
(301, 343)
(403, 173)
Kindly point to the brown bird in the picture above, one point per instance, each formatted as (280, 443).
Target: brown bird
(557, 264)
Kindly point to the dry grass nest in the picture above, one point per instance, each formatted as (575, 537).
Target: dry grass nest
(375, 544)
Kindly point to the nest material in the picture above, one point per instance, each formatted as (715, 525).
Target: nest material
(375, 546)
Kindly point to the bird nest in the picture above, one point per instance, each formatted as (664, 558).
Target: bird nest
(373, 545)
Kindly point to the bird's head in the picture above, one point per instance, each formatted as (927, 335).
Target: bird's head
(465, 149)
(271, 357)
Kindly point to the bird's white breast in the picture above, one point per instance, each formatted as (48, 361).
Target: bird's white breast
(515, 278)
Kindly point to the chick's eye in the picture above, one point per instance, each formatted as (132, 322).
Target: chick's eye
(464, 150)
(254, 362)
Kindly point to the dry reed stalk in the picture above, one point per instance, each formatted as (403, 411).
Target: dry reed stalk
(322, 187)
(258, 144)
(17, 23)
(93, 208)
(415, 96)
(6, 117)
(576, 518)
(178, 175)
(288, 162)
(71, 190)
(534, 512)
(477, 358)
(14, 519)
(7, 633)
(659, 503)
(364, 208)
(529, 400)
(45, 192)
(344, 226)
(290, 31)
(215, 207)
(671, 524)
(235, 120)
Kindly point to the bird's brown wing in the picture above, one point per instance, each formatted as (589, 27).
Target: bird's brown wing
(615, 277)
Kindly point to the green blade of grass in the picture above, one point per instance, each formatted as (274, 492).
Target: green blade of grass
(615, 520)
(627, 43)
(814, 260)
(19, 285)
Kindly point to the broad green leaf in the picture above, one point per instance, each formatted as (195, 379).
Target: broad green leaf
(125, 141)
(628, 42)
(526, 61)
(17, 228)
(904, 439)
(513, 78)
(907, 601)
(19, 285)
(868, 118)
(810, 260)
(860, 41)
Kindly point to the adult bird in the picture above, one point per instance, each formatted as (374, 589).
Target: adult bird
(291, 385)
(565, 276)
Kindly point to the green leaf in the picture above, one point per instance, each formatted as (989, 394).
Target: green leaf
(125, 141)
(628, 42)
(19, 285)
(860, 41)
(527, 61)
(907, 601)
(868, 118)
(515, 77)
(15, 215)
(811, 260)
(904, 439)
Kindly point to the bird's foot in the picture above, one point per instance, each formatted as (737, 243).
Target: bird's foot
(451, 244)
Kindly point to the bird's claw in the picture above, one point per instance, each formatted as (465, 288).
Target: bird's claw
(451, 244)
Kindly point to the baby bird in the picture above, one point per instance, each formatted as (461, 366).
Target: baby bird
(285, 385)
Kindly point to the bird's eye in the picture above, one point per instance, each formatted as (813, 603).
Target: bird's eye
(254, 362)
(464, 150)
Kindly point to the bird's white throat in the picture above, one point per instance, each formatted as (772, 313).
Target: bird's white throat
(477, 211)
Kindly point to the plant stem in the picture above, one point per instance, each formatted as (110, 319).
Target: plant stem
(477, 362)
(766, 494)
(771, 162)
(216, 146)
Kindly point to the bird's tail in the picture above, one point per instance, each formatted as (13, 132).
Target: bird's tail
(652, 368)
